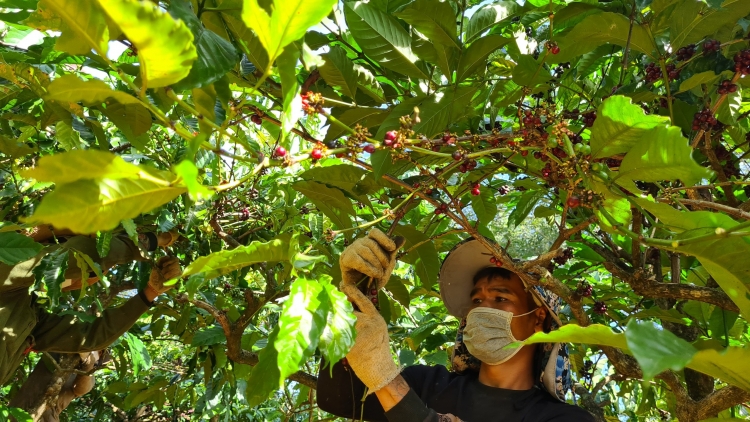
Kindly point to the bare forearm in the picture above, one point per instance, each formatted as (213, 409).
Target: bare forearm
(393, 393)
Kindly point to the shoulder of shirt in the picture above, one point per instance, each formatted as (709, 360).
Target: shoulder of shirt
(564, 412)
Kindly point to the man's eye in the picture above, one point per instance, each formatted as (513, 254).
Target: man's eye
(500, 299)
(477, 300)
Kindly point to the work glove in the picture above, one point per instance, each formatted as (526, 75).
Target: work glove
(371, 256)
(166, 269)
(370, 357)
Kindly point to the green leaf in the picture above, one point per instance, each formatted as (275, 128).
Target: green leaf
(338, 335)
(524, 207)
(600, 28)
(477, 53)
(134, 120)
(367, 83)
(288, 22)
(88, 206)
(730, 365)
(139, 356)
(249, 42)
(188, 172)
(657, 349)
(424, 257)
(619, 125)
(77, 165)
(437, 115)
(15, 248)
(68, 137)
(301, 324)
(662, 154)
(367, 117)
(13, 148)
(484, 205)
(71, 89)
(382, 38)
(397, 287)
(489, 16)
(572, 333)
(223, 262)
(84, 26)
(382, 162)
(530, 72)
(216, 56)
(290, 90)
(209, 336)
(330, 201)
(165, 45)
(19, 414)
(691, 20)
(404, 108)
(338, 71)
(703, 78)
(730, 108)
(265, 376)
(617, 208)
(436, 20)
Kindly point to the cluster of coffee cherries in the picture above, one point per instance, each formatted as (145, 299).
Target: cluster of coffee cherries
(710, 46)
(585, 289)
(588, 369)
(600, 307)
(589, 118)
(441, 209)
(468, 164)
(279, 152)
(565, 257)
(726, 87)
(686, 52)
(256, 119)
(742, 62)
(312, 102)
(391, 139)
(475, 190)
(530, 120)
(653, 72)
(704, 120)
(496, 262)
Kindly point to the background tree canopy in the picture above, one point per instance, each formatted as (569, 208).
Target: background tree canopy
(605, 142)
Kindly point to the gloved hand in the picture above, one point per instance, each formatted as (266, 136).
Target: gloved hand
(167, 268)
(370, 357)
(373, 256)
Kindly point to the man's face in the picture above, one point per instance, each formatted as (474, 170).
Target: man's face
(509, 295)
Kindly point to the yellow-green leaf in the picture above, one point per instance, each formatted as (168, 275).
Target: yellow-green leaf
(165, 45)
(288, 22)
(71, 89)
(90, 205)
(84, 26)
(86, 164)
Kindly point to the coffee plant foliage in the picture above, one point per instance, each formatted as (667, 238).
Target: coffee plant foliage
(603, 142)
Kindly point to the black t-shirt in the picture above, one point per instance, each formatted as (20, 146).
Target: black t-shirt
(435, 391)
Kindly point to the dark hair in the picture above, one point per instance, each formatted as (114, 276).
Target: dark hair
(493, 272)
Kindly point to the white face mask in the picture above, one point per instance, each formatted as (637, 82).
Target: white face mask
(487, 332)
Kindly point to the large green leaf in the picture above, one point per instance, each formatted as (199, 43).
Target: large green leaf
(13, 148)
(330, 201)
(288, 22)
(15, 248)
(436, 20)
(437, 114)
(249, 42)
(139, 357)
(51, 272)
(723, 258)
(134, 120)
(264, 378)
(708, 77)
(484, 205)
(165, 45)
(338, 336)
(68, 138)
(90, 205)
(424, 258)
(691, 20)
(619, 125)
(84, 26)
(657, 349)
(216, 56)
(367, 83)
(71, 89)
(290, 89)
(476, 55)
(76, 165)
(599, 28)
(662, 154)
(530, 72)
(303, 318)
(338, 71)
(382, 38)
(223, 262)
(486, 17)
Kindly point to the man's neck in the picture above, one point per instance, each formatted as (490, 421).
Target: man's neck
(515, 374)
